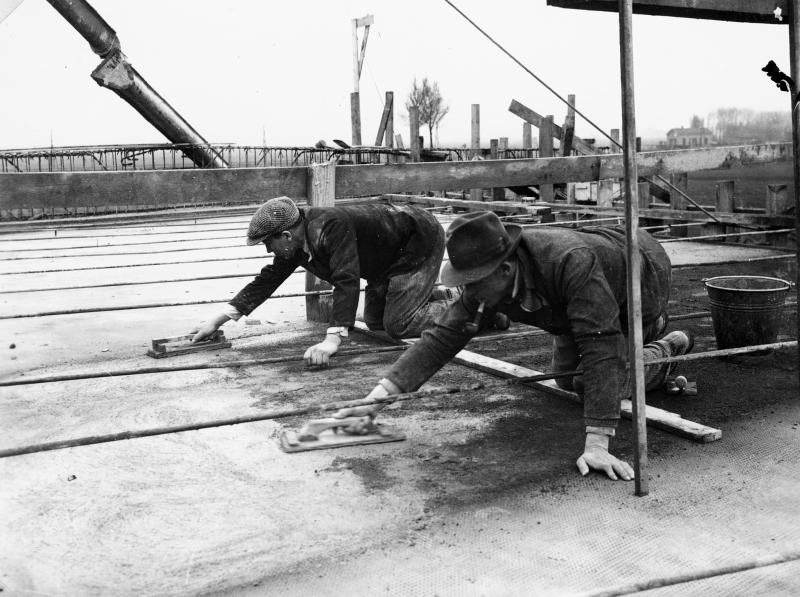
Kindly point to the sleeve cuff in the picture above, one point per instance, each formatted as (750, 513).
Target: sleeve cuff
(340, 331)
(232, 312)
(607, 431)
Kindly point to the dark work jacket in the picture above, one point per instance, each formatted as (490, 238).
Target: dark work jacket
(346, 243)
(571, 282)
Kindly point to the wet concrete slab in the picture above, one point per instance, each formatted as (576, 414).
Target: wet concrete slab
(481, 499)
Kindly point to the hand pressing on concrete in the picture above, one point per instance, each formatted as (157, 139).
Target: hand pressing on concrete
(320, 354)
(382, 390)
(205, 329)
(596, 456)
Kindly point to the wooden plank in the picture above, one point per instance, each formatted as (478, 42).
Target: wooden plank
(506, 207)
(685, 216)
(535, 119)
(387, 108)
(546, 126)
(68, 190)
(568, 132)
(398, 178)
(656, 417)
(745, 11)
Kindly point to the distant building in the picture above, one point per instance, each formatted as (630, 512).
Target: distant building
(689, 137)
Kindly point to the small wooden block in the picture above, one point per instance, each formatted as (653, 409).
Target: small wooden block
(176, 345)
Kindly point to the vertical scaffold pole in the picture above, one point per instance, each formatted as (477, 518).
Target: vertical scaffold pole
(794, 59)
(635, 340)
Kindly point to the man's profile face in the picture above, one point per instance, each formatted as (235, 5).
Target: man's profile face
(283, 245)
(494, 287)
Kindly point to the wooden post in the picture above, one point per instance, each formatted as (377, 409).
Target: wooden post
(398, 141)
(724, 202)
(390, 119)
(778, 203)
(355, 118)
(680, 180)
(475, 146)
(644, 195)
(635, 337)
(546, 192)
(614, 148)
(527, 138)
(568, 132)
(413, 119)
(321, 193)
(498, 193)
(605, 193)
(383, 128)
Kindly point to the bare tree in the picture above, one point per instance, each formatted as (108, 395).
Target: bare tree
(428, 100)
(697, 122)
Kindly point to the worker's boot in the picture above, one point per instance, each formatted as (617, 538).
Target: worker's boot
(678, 342)
(500, 322)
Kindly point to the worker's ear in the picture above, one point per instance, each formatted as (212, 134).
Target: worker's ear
(287, 235)
(506, 268)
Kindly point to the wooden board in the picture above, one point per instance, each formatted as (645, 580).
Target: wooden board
(747, 11)
(657, 417)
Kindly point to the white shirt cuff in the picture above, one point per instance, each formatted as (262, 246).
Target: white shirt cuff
(231, 312)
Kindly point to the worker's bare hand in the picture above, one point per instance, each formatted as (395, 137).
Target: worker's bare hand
(600, 459)
(368, 410)
(320, 354)
(203, 331)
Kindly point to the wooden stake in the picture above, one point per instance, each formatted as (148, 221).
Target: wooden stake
(322, 192)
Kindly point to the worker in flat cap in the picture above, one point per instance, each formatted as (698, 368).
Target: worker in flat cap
(570, 282)
(397, 249)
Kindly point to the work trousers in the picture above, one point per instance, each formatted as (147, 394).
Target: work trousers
(401, 305)
(566, 357)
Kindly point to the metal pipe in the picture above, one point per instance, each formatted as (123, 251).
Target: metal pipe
(263, 416)
(117, 74)
(794, 60)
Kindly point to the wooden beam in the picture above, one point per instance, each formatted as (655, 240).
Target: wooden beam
(746, 11)
(662, 419)
(387, 110)
(356, 181)
(535, 119)
(656, 417)
(169, 187)
(684, 216)
(506, 207)
(568, 132)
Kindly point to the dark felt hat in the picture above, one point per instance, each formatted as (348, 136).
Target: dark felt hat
(477, 242)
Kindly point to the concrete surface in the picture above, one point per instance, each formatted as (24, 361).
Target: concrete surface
(481, 499)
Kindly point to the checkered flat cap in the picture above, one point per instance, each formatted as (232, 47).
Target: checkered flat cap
(273, 217)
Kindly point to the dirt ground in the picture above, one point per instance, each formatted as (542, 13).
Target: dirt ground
(482, 498)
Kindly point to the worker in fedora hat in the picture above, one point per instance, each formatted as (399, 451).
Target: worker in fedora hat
(570, 282)
(397, 249)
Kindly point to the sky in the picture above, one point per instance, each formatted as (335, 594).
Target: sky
(257, 71)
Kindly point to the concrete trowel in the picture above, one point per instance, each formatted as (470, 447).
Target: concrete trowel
(321, 434)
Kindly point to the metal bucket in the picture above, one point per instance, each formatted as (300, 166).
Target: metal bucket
(746, 310)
